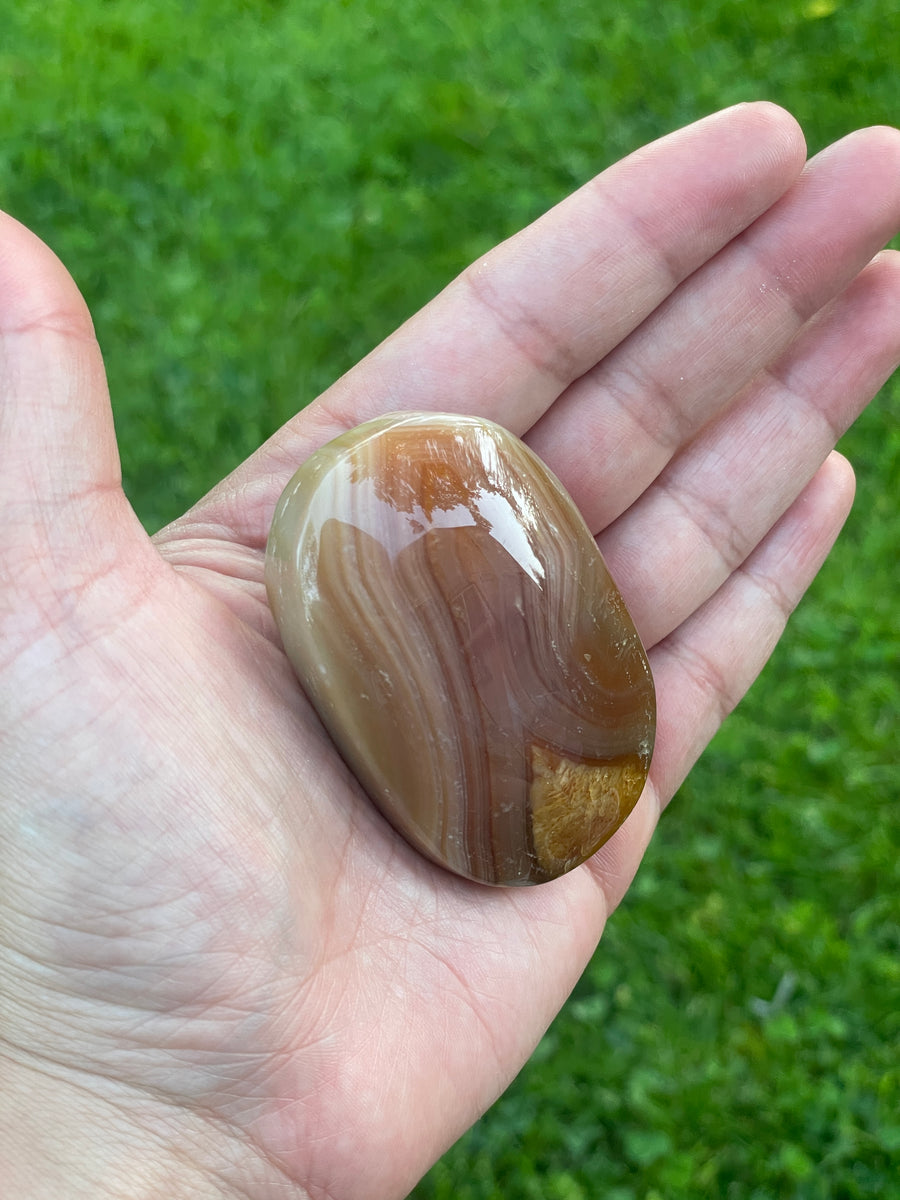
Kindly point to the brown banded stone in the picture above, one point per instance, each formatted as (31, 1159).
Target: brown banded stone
(450, 617)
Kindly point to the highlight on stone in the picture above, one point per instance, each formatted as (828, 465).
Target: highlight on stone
(450, 617)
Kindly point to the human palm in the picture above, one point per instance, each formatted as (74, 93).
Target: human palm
(222, 972)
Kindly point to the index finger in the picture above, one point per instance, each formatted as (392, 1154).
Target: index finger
(507, 337)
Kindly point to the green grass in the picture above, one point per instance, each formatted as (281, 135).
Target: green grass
(250, 196)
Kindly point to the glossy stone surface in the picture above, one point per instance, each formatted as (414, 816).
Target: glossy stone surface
(450, 617)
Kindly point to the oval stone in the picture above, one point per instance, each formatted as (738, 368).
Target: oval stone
(450, 617)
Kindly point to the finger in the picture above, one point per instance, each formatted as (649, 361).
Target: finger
(57, 434)
(705, 667)
(618, 426)
(526, 320)
(57, 441)
(506, 337)
(719, 497)
(62, 509)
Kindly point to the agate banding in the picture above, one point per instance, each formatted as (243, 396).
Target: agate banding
(448, 614)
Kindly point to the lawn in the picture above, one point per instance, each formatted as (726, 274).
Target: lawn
(251, 195)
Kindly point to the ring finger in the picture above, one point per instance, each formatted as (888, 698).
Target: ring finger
(719, 497)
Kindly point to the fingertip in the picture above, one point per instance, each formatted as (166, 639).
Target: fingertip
(884, 139)
(36, 290)
(884, 270)
(815, 519)
(776, 118)
(868, 173)
(881, 143)
(57, 438)
(768, 121)
(838, 475)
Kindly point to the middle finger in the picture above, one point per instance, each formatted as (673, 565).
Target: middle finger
(615, 428)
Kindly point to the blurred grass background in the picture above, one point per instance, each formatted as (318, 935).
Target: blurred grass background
(251, 195)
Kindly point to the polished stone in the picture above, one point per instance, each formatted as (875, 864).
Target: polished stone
(449, 615)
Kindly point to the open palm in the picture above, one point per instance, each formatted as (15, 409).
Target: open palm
(221, 972)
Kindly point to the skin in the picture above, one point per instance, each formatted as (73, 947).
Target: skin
(221, 972)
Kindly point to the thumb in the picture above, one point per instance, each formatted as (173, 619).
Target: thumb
(60, 481)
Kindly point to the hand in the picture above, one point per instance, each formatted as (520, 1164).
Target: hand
(221, 972)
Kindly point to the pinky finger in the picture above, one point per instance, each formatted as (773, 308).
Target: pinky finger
(706, 666)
